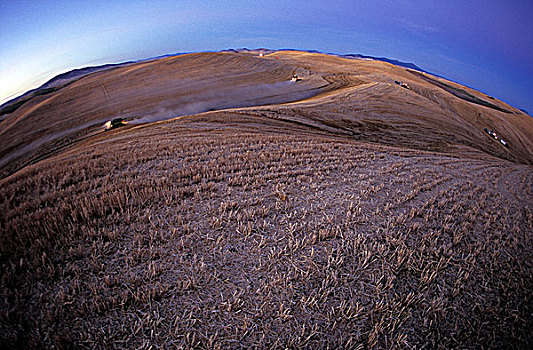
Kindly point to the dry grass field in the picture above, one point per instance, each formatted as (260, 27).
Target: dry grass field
(343, 212)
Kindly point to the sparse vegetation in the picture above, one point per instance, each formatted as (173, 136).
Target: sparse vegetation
(188, 234)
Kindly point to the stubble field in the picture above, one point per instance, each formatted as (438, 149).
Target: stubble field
(285, 226)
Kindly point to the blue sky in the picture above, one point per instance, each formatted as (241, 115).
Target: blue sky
(484, 44)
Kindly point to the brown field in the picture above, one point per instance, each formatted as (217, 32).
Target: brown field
(343, 211)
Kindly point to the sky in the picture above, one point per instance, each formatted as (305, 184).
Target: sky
(484, 44)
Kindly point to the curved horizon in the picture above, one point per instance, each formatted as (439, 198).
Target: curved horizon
(483, 47)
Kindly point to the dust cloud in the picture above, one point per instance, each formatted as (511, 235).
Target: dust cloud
(233, 97)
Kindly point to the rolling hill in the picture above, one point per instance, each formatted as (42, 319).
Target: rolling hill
(363, 206)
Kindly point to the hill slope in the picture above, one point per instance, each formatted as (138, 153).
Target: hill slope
(339, 211)
(372, 106)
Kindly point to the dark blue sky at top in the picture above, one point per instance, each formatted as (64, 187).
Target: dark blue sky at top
(484, 44)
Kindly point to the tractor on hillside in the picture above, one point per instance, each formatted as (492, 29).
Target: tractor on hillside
(114, 123)
(402, 84)
(496, 137)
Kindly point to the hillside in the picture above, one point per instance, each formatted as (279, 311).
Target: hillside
(369, 106)
(238, 209)
(52, 85)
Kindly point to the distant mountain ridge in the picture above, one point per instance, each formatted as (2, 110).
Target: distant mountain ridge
(351, 56)
(388, 60)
